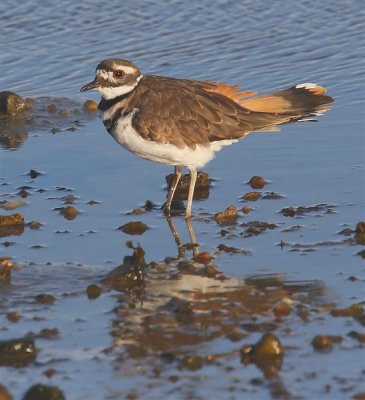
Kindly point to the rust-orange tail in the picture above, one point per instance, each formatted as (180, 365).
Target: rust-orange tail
(300, 101)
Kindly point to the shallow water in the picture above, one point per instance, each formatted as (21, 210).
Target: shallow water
(52, 50)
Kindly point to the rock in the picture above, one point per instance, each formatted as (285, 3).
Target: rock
(90, 106)
(14, 219)
(229, 215)
(130, 273)
(34, 174)
(45, 298)
(12, 104)
(5, 394)
(267, 354)
(201, 191)
(134, 228)
(12, 204)
(5, 270)
(325, 342)
(269, 345)
(257, 182)
(13, 316)
(93, 291)
(192, 363)
(360, 233)
(52, 108)
(203, 258)
(355, 311)
(254, 228)
(43, 392)
(69, 212)
(246, 209)
(11, 225)
(232, 250)
(17, 352)
(251, 196)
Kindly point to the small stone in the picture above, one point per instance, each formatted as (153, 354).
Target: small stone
(34, 225)
(12, 204)
(34, 174)
(282, 310)
(23, 193)
(45, 298)
(52, 108)
(93, 291)
(43, 392)
(63, 113)
(5, 394)
(257, 182)
(246, 209)
(203, 258)
(268, 345)
(230, 214)
(14, 219)
(90, 105)
(13, 316)
(134, 228)
(251, 196)
(325, 342)
(192, 362)
(11, 104)
(355, 310)
(69, 212)
(360, 227)
(17, 352)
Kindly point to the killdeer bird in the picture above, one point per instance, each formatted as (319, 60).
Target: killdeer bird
(183, 122)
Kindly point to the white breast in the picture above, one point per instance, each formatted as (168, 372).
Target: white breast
(125, 134)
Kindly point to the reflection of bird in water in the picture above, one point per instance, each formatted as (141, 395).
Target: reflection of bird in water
(183, 122)
(180, 245)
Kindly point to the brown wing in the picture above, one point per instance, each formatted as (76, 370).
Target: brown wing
(185, 113)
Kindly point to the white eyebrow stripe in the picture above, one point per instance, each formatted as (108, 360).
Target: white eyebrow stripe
(109, 74)
(128, 70)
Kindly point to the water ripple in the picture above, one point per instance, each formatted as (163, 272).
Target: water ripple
(51, 48)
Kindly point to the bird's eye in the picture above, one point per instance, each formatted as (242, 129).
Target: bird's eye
(118, 73)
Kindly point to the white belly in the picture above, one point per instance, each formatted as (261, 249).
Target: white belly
(125, 134)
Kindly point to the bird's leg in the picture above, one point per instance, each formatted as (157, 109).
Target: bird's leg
(170, 195)
(193, 175)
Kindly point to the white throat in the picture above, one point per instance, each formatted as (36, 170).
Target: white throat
(111, 92)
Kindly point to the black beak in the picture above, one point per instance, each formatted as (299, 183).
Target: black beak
(91, 85)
